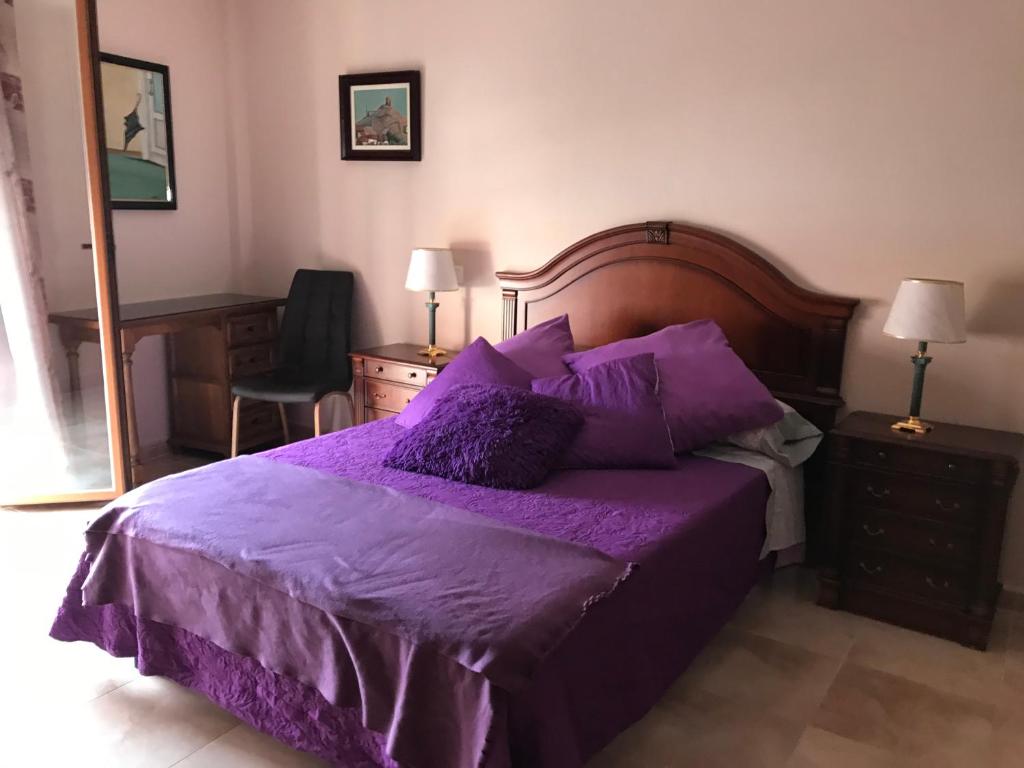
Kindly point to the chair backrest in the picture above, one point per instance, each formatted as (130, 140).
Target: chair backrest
(316, 332)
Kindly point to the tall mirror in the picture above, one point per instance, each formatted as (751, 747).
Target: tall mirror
(192, 322)
(58, 374)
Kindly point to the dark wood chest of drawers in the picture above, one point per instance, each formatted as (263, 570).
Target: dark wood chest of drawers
(914, 525)
(387, 378)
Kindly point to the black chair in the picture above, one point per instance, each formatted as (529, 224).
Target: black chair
(315, 341)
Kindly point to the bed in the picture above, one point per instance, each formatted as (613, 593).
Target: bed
(339, 681)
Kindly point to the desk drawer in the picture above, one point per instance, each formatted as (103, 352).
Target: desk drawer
(915, 496)
(247, 329)
(256, 418)
(895, 575)
(921, 462)
(403, 374)
(388, 397)
(252, 360)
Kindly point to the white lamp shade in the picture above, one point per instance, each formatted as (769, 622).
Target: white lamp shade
(431, 269)
(928, 310)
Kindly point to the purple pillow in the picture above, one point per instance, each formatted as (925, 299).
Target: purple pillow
(706, 390)
(478, 363)
(709, 394)
(667, 341)
(489, 434)
(540, 349)
(624, 425)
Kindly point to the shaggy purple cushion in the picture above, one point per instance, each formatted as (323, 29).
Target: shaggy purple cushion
(540, 348)
(624, 424)
(479, 363)
(489, 434)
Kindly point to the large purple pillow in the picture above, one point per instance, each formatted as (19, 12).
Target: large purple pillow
(479, 363)
(667, 341)
(540, 349)
(489, 434)
(624, 425)
(709, 393)
(706, 390)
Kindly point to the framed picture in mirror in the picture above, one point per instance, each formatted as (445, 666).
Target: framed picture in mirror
(380, 116)
(138, 133)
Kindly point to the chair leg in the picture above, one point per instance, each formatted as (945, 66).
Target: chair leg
(234, 426)
(284, 423)
(316, 418)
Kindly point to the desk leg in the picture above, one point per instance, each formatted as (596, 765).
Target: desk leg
(127, 349)
(71, 346)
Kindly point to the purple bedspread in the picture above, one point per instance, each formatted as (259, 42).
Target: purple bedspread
(695, 530)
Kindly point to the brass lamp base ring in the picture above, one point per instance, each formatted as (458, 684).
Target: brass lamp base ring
(432, 351)
(912, 424)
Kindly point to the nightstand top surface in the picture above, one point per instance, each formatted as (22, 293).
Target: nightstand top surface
(952, 438)
(405, 353)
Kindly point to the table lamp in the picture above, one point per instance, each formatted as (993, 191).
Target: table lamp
(431, 269)
(925, 310)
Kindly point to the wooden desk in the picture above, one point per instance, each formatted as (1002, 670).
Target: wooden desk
(212, 340)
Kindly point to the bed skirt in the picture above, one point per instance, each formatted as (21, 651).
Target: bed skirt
(293, 713)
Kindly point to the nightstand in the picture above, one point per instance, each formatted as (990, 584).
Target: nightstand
(914, 524)
(387, 378)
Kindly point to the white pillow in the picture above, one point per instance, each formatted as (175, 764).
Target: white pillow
(790, 441)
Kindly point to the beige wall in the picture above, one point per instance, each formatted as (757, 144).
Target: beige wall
(851, 143)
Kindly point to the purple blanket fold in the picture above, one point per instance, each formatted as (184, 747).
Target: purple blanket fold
(413, 588)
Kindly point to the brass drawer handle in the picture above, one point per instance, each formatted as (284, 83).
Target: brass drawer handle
(870, 571)
(932, 543)
(379, 369)
(951, 467)
(379, 395)
(931, 583)
(873, 531)
(954, 507)
(877, 494)
(883, 456)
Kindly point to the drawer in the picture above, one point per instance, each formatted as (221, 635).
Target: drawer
(933, 542)
(893, 574)
(386, 396)
(375, 414)
(922, 462)
(252, 360)
(405, 374)
(257, 419)
(915, 496)
(247, 329)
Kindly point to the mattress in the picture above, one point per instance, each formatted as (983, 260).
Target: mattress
(695, 532)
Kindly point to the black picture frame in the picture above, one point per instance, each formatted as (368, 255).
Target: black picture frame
(125, 203)
(351, 149)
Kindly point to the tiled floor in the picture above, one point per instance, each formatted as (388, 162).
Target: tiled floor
(786, 684)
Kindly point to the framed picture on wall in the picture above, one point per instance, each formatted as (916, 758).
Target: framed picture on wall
(380, 116)
(138, 133)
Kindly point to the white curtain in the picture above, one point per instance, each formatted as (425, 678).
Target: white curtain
(32, 458)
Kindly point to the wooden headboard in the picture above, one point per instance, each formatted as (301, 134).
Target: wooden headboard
(632, 280)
